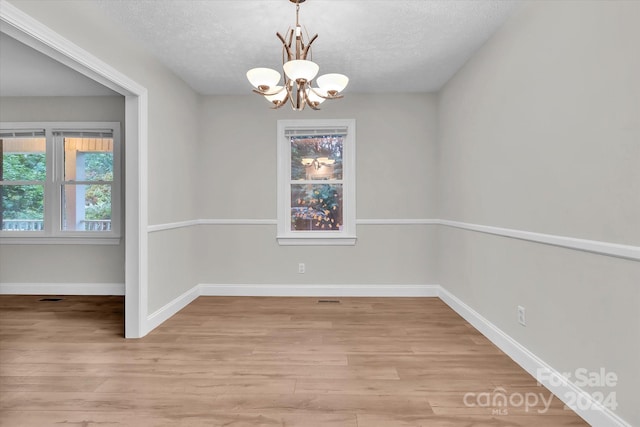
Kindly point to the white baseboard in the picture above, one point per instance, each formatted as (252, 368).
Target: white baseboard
(164, 313)
(590, 410)
(323, 290)
(61, 288)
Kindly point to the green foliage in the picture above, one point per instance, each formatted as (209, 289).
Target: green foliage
(24, 167)
(98, 202)
(23, 201)
(27, 201)
(98, 167)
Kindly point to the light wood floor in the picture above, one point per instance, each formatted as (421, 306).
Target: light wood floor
(366, 362)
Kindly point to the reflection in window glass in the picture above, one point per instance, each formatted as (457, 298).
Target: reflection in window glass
(316, 207)
(316, 157)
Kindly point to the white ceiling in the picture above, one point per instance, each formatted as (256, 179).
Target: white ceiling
(382, 45)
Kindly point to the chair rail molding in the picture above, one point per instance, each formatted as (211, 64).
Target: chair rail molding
(594, 246)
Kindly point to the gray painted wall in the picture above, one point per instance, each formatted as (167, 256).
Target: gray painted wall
(62, 263)
(395, 180)
(539, 132)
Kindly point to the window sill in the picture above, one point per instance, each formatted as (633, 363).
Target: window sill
(47, 240)
(317, 241)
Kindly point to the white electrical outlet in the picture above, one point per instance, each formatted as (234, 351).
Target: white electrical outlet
(521, 317)
(301, 268)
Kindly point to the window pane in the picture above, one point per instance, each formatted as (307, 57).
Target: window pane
(22, 207)
(23, 159)
(316, 157)
(86, 207)
(316, 207)
(88, 159)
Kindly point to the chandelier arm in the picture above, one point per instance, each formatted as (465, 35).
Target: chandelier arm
(280, 104)
(284, 46)
(300, 96)
(312, 105)
(291, 35)
(267, 93)
(323, 96)
(300, 50)
(289, 86)
(306, 49)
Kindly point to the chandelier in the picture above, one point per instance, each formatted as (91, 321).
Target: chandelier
(299, 74)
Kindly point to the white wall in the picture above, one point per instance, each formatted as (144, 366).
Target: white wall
(540, 132)
(62, 263)
(395, 180)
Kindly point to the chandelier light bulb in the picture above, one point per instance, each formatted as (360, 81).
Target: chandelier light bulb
(279, 95)
(313, 96)
(301, 70)
(263, 79)
(332, 84)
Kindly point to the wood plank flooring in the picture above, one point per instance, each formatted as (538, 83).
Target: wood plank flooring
(363, 362)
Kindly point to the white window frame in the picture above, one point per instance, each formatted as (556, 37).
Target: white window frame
(53, 232)
(345, 236)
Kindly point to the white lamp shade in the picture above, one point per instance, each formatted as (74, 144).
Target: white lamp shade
(278, 97)
(332, 82)
(262, 78)
(315, 98)
(300, 69)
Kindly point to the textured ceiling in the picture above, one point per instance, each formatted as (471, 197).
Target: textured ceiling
(382, 45)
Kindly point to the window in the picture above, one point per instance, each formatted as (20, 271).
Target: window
(316, 182)
(60, 182)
